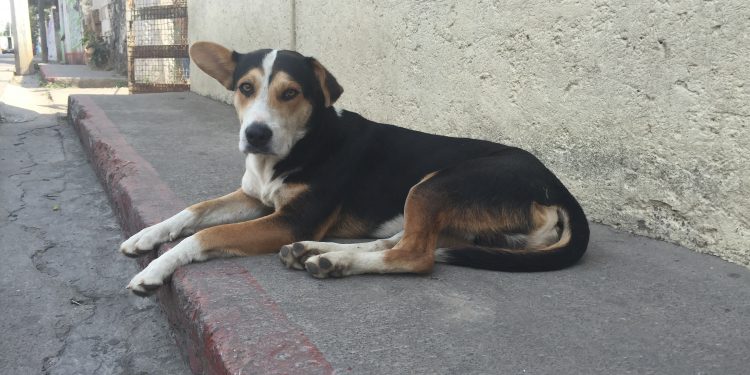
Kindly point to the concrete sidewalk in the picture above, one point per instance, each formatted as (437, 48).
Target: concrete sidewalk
(81, 76)
(633, 305)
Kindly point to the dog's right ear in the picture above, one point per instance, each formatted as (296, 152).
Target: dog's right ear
(331, 88)
(216, 60)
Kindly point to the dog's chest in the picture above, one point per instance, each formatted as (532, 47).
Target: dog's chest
(259, 182)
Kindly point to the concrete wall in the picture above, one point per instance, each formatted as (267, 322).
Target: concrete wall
(641, 107)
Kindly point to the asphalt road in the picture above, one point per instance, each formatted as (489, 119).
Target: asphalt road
(63, 305)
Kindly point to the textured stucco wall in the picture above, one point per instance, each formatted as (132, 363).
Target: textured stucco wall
(641, 107)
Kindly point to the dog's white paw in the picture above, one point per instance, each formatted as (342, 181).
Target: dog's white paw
(144, 241)
(295, 255)
(326, 265)
(146, 282)
(149, 238)
(160, 269)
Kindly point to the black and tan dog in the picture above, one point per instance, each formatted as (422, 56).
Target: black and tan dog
(313, 171)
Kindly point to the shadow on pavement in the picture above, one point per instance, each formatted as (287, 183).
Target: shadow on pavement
(13, 114)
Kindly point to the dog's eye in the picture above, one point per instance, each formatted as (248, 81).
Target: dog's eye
(247, 88)
(289, 94)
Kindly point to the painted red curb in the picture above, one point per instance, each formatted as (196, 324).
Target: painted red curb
(236, 328)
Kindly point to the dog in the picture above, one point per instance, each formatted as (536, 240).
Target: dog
(313, 171)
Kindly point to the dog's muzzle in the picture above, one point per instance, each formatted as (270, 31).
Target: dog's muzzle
(258, 136)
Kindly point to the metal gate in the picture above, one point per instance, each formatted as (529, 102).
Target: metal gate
(158, 58)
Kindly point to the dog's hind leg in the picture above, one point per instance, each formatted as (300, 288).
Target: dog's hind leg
(231, 208)
(295, 255)
(413, 253)
(483, 201)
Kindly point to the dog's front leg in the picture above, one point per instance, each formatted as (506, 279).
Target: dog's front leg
(260, 236)
(231, 208)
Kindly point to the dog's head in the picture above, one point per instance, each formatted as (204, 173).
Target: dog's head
(276, 93)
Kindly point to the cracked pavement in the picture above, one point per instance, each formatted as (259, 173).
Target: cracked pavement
(64, 304)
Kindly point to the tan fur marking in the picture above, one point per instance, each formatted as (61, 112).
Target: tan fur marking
(215, 60)
(422, 226)
(348, 226)
(539, 222)
(541, 214)
(260, 236)
(327, 83)
(452, 240)
(325, 226)
(288, 192)
(425, 224)
(475, 220)
(408, 260)
(236, 200)
(562, 238)
(297, 110)
(544, 234)
(411, 254)
(320, 73)
(241, 102)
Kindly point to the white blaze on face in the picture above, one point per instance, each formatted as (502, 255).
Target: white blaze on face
(260, 110)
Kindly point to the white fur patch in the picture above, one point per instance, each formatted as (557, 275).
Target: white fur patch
(441, 255)
(162, 267)
(259, 111)
(338, 111)
(377, 245)
(167, 230)
(389, 228)
(353, 263)
(258, 181)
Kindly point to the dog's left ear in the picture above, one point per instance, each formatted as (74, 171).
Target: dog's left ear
(216, 60)
(331, 88)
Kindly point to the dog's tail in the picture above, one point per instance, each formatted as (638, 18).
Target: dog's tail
(572, 241)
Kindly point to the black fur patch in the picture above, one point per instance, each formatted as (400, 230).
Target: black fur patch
(245, 62)
(296, 65)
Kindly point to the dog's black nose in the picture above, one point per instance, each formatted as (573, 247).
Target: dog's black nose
(258, 134)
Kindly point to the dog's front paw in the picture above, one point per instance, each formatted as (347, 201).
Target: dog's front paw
(295, 255)
(146, 283)
(160, 269)
(168, 230)
(324, 266)
(144, 241)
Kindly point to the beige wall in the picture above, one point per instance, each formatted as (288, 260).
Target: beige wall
(641, 107)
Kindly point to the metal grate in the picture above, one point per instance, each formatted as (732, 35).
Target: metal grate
(158, 58)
